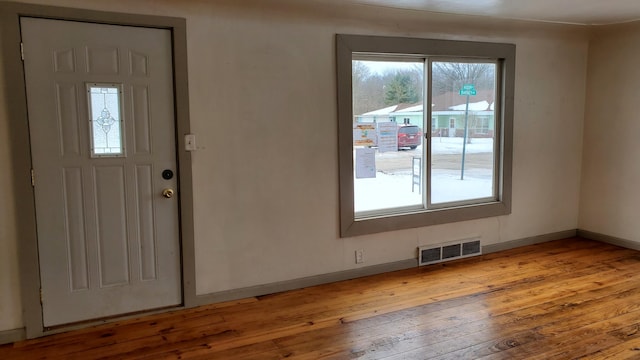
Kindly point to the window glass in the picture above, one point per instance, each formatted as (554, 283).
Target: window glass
(388, 118)
(463, 161)
(106, 120)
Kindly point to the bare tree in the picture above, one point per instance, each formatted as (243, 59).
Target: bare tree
(368, 89)
(372, 90)
(360, 72)
(450, 76)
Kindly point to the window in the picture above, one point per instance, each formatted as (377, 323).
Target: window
(106, 120)
(396, 175)
(482, 126)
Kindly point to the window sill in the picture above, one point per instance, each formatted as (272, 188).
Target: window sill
(375, 224)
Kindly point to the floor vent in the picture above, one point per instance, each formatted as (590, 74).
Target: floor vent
(433, 254)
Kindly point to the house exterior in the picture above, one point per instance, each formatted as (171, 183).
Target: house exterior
(401, 113)
(448, 115)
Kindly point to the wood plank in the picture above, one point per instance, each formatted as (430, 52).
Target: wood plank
(563, 299)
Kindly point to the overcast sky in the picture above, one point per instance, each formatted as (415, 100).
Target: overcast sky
(381, 67)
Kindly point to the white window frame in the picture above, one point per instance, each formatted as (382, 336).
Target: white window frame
(350, 46)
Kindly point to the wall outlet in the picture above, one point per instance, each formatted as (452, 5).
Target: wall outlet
(359, 256)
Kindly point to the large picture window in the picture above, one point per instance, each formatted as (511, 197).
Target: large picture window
(425, 131)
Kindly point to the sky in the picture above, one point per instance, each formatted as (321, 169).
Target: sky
(381, 67)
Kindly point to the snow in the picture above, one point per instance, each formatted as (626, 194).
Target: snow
(394, 189)
(447, 145)
(415, 108)
(476, 106)
(385, 111)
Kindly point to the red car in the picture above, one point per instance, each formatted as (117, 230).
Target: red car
(409, 136)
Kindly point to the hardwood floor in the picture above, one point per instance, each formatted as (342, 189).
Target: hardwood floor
(558, 300)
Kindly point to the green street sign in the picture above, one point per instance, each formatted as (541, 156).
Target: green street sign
(468, 89)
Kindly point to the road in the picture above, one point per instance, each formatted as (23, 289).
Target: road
(401, 161)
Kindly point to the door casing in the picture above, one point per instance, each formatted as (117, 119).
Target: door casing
(16, 109)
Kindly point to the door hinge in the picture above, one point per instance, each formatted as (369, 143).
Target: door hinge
(33, 178)
(22, 51)
(40, 296)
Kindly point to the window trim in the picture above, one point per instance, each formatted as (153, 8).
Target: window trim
(346, 47)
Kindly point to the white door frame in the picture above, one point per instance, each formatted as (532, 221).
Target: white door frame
(16, 103)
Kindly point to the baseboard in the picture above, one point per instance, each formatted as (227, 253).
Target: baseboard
(10, 336)
(303, 282)
(507, 245)
(609, 239)
(265, 289)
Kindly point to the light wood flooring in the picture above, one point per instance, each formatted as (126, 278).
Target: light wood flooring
(565, 299)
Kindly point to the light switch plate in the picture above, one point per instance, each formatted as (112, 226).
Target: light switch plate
(190, 142)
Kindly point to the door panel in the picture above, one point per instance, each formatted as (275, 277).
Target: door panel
(146, 222)
(142, 126)
(67, 101)
(107, 239)
(76, 230)
(111, 225)
(102, 61)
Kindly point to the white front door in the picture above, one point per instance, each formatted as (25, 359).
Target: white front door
(452, 127)
(101, 119)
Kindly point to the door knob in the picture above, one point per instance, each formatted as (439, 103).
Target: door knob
(168, 193)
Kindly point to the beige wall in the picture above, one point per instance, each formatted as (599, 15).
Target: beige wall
(263, 108)
(611, 167)
(10, 307)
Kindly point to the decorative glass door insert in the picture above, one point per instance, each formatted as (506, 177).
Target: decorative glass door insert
(105, 116)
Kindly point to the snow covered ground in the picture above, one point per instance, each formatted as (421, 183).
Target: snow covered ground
(447, 145)
(392, 190)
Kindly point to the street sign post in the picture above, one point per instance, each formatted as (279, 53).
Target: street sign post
(467, 90)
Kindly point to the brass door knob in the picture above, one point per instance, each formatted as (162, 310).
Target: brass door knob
(168, 193)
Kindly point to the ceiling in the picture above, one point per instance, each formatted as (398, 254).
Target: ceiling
(585, 12)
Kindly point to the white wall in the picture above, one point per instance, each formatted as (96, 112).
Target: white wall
(263, 106)
(611, 170)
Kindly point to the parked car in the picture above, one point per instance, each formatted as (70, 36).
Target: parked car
(409, 136)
